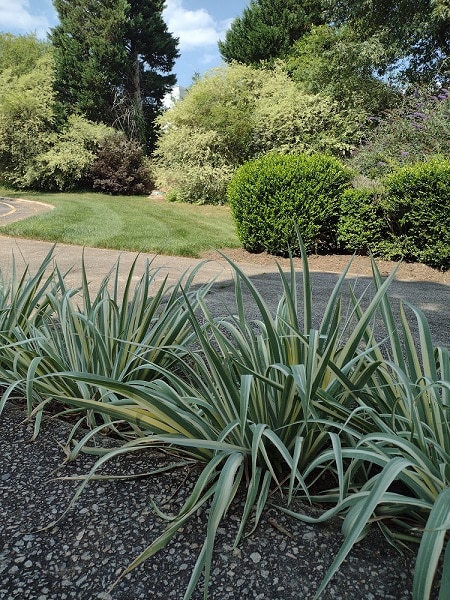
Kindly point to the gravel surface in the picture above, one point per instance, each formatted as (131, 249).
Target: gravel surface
(113, 521)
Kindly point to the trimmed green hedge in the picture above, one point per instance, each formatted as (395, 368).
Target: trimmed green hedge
(419, 208)
(411, 220)
(270, 195)
(363, 224)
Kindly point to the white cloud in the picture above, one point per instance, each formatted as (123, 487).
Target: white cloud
(15, 17)
(195, 28)
(208, 58)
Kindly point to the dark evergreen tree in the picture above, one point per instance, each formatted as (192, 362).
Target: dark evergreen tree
(268, 28)
(113, 61)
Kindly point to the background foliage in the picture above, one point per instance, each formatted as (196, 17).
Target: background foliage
(42, 146)
(415, 34)
(236, 113)
(20, 54)
(415, 129)
(314, 77)
(335, 63)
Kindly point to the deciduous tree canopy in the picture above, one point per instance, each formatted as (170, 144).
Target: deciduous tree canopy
(334, 62)
(414, 35)
(21, 53)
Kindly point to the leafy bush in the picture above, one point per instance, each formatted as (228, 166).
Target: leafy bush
(362, 225)
(191, 167)
(410, 219)
(272, 195)
(27, 119)
(65, 165)
(237, 113)
(194, 184)
(121, 167)
(414, 131)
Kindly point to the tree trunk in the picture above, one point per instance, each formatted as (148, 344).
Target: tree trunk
(138, 125)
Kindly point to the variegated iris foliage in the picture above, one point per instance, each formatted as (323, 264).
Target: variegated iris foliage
(276, 402)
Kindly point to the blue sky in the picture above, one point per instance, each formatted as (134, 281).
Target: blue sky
(198, 23)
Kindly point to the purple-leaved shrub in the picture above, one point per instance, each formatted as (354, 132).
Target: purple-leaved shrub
(414, 131)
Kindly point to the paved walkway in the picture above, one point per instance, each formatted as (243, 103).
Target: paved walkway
(98, 262)
(431, 297)
(14, 209)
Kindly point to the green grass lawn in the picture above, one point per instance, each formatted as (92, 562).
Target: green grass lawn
(134, 223)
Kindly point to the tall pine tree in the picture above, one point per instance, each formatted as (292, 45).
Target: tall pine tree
(113, 61)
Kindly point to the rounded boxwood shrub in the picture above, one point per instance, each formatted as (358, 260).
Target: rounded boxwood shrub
(363, 225)
(418, 202)
(270, 195)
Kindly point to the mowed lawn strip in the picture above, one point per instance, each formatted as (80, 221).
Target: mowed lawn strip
(134, 223)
